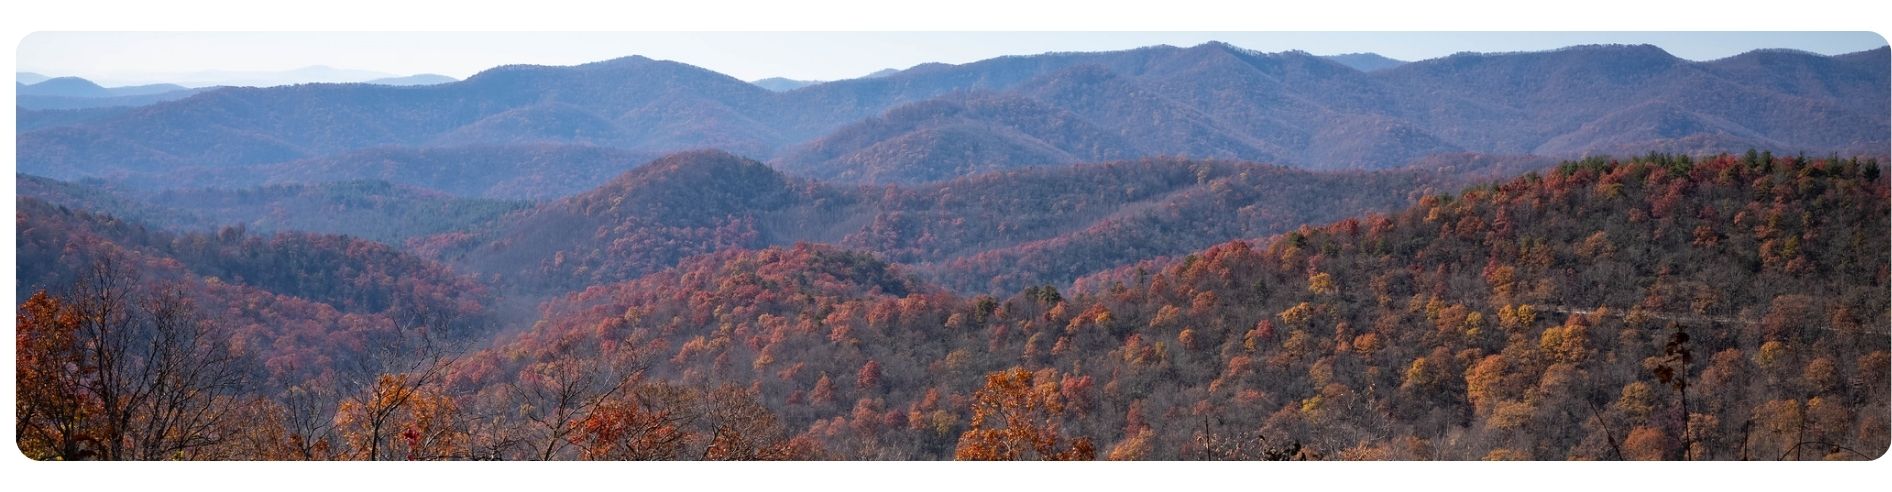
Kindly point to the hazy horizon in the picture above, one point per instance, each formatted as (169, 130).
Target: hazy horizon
(130, 58)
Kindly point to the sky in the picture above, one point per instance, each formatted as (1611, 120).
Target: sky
(123, 58)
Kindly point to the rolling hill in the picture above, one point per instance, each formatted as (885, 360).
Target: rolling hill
(1213, 100)
(1551, 316)
(998, 231)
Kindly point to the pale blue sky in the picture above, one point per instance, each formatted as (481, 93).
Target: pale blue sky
(124, 58)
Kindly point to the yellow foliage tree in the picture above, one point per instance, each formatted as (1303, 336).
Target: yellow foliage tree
(1017, 416)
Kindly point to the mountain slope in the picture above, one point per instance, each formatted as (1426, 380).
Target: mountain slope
(1470, 326)
(311, 309)
(779, 84)
(950, 137)
(536, 171)
(416, 79)
(1366, 62)
(678, 206)
(998, 231)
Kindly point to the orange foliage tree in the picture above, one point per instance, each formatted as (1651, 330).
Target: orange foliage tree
(1016, 416)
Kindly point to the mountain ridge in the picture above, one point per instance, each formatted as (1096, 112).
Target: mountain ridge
(1289, 107)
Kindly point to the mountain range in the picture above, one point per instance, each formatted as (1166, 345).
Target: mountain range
(38, 92)
(779, 84)
(997, 232)
(28, 78)
(1201, 253)
(78, 93)
(313, 74)
(938, 121)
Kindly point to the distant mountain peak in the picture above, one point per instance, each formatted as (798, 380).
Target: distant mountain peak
(1220, 45)
(1608, 49)
(1784, 51)
(632, 60)
(68, 80)
(416, 79)
(1365, 62)
(782, 84)
(65, 86)
(703, 170)
(1624, 51)
(703, 158)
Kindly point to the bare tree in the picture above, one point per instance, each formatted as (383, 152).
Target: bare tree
(154, 378)
(185, 370)
(554, 395)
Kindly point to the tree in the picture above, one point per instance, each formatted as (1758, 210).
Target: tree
(405, 405)
(553, 395)
(1017, 416)
(869, 377)
(645, 424)
(122, 372)
(741, 429)
(50, 413)
(1673, 370)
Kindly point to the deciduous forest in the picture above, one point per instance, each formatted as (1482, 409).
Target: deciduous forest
(1200, 253)
(1655, 308)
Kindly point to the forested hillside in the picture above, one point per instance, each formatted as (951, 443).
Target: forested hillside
(1587, 314)
(372, 210)
(1163, 253)
(300, 307)
(995, 232)
(1730, 307)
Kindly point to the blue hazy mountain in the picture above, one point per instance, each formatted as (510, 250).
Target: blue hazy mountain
(1212, 100)
(418, 79)
(1366, 62)
(779, 84)
(61, 93)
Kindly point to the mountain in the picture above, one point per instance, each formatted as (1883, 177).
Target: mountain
(992, 232)
(372, 210)
(66, 103)
(950, 137)
(78, 87)
(1588, 86)
(78, 93)
(678, 206)
(308, 309)
(418, 79)
(1720, 308)
(145, 90)
(32, 119)
(1213, 100)
(1365, 62)
(518, 172)
(215, 130)
(28, 78)
(314, 74)
(101, 102)
(779, 84)
(521, 172)
(64, 86)
(94, 196)
(1486, 318)
(1810, 75)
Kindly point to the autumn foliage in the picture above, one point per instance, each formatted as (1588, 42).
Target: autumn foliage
(1724, 308)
